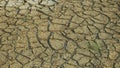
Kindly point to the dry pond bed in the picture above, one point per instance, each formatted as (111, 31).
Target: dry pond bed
(59, 34)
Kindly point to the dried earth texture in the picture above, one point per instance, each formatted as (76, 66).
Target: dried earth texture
(60, 34)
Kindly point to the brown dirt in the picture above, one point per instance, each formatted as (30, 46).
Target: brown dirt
(61, 34)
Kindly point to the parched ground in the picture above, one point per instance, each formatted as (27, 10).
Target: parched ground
(60, 34)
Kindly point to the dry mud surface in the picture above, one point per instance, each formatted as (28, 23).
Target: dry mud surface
(60, 34)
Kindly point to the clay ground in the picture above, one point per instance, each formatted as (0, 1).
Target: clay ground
(60, 34)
